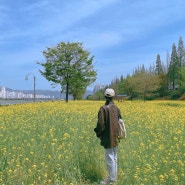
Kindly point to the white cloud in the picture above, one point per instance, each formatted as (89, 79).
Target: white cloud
(44, 18)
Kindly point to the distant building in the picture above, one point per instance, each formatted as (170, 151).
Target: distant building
(3, 92)
(20, 95)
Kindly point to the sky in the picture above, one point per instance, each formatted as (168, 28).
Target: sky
(120, 34)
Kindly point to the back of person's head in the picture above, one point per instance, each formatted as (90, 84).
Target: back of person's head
(109, 94)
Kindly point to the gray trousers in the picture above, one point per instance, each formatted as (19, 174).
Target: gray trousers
(111, 162)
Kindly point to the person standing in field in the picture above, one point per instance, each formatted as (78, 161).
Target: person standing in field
(107, 131)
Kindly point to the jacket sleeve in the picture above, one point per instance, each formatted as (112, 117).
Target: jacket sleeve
(100, 126)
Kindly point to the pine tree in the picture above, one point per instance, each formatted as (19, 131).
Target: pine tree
(173, 69)
(159, 69)
(181, 52)
(160, 72)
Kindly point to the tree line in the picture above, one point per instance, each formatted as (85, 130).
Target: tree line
(159, 81)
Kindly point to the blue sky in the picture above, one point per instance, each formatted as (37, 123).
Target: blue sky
(121, 34)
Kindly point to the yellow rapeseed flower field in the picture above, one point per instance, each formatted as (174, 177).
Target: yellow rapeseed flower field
(54, 143)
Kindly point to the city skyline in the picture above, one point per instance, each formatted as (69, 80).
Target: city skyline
(6, 94)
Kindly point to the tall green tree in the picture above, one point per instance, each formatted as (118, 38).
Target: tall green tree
(181, 57)
(159, 68)
(173, 71)
(181, 52)
(70, 66)
(130, 86)
(160, 71)
(122, 86)
(182, 80)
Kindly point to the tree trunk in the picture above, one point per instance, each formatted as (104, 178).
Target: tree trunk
(67, 91)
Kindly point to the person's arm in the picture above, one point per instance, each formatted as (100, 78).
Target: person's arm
(100, 127)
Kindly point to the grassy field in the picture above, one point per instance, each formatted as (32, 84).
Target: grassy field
(54, 143)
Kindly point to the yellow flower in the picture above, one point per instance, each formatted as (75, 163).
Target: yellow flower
(26, 159)
(34, 166)
(66, 135)
(161, 177)
(172, 171)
